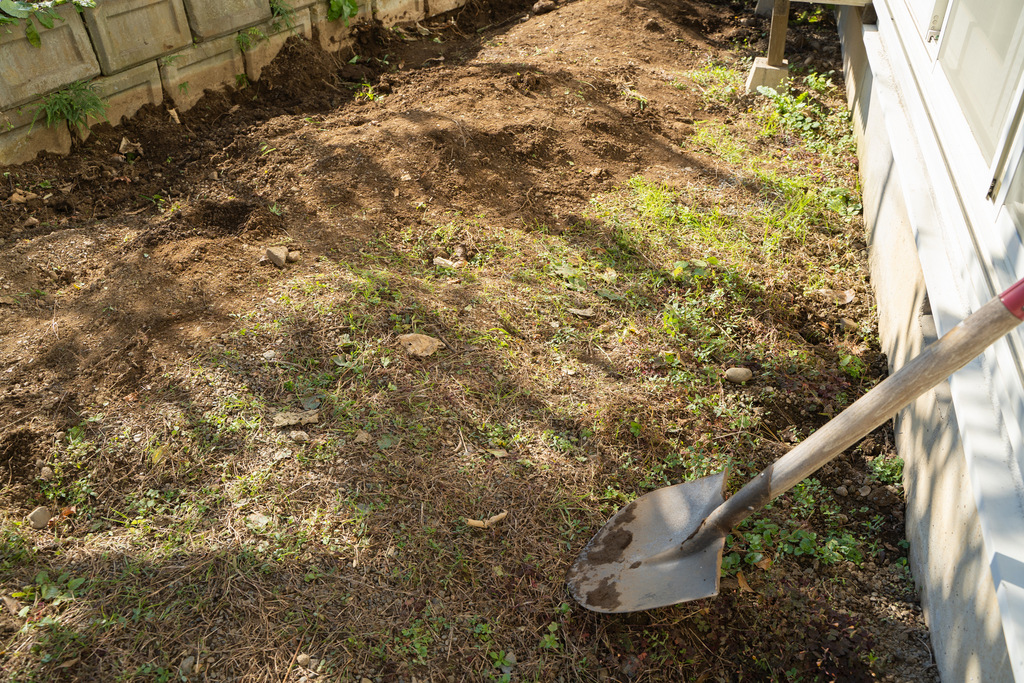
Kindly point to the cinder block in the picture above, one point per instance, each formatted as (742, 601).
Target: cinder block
(129, 91)
(21, 139)
(269, 38)
(391, 12)
(129, 32)
(65, 56)
(213, 19)
(206, 66)
(335, 35)
(435, 7)
(764, 74)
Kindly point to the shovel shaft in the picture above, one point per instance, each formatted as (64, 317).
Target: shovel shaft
(947, 355)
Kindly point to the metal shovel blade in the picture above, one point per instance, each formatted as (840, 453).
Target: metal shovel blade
(634, 562)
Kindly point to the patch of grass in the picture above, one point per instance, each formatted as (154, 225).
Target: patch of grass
(717, 83)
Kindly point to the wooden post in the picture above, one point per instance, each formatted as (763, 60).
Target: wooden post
(777, 36)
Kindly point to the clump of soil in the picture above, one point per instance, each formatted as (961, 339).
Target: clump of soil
(478, 178)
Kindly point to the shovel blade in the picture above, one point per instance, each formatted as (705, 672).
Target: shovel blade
(634, 563)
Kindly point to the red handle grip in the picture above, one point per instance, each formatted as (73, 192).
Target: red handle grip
(1013, 299)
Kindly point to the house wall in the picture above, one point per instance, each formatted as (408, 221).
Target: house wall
(947, 553)
(139, 52)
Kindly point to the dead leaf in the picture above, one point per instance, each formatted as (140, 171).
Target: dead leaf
(764, 564)
(582, 312)
(173, 113)
(744, 586)
(287, 419)
(13, 606)
(127, 146)
(21, 197)
(487, 523)
(419, 345)
(70, 663)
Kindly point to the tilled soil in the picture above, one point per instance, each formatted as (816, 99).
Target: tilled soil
(136, 303)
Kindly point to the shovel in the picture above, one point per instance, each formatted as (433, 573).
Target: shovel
(666, 546)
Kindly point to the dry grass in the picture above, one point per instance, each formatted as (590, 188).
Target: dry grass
(214, 546)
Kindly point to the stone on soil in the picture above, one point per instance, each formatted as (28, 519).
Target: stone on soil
(419, 345)
(187, 665)
(738, 375)
(303, 660)
(298, 436)
(293, 256)
(278, 256)
(544, 6)
(39, 517)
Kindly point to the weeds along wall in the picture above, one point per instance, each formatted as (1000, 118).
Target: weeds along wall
(83, 66)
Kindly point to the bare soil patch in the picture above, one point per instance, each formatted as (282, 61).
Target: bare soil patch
(622, 225)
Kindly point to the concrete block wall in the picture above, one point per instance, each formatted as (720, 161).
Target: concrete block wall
(138, 52)
(946, 554)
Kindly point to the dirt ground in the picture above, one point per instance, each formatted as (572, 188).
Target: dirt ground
(147, 347)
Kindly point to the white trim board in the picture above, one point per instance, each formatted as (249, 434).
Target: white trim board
(962, 270)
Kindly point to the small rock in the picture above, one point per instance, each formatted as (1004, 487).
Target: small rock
(39, 517)
(459, 252)
(298, 436)
(270, 355)
(364, 679)
(652, 25)
(293, 257)
(30, 222)
(278, 256)
(258, 520)
(848, 325)
(362, 437)
(419, 345)
(842, 519)
(213, 175)
(738, 375)
(460, 264)
(748, 21)
(510, 662)
(842, 491)
(582, 312)
(303, 660)
(544, 6)
(864, 491)
(289, 418)
(443, 262)
(187, 665)
(46, 474)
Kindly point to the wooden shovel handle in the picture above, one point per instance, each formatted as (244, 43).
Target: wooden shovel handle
(947, 355)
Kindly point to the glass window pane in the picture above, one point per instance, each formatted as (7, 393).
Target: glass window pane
(981, 54)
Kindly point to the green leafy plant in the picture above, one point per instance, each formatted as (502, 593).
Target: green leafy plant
(74, 104)
(246, 39)
(342, 9)
(13, 11)
(283, 14)
(888, 470)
